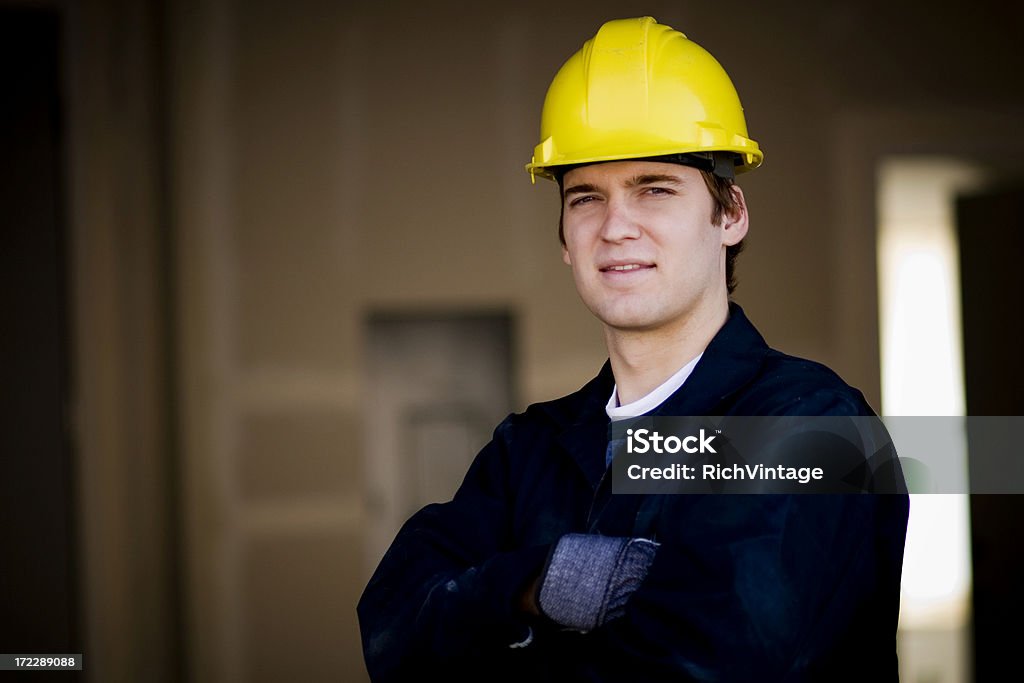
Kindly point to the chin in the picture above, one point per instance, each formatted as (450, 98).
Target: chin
(630, 322)
(625, 313)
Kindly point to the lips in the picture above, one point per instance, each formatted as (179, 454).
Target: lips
(624, 266)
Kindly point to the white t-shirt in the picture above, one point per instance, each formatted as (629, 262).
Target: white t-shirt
(652, 400)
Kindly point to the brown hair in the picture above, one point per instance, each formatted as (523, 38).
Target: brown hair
(724, 203)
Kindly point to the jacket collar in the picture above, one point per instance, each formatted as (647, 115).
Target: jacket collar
(730, 362)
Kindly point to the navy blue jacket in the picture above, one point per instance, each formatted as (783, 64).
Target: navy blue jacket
(744, 587)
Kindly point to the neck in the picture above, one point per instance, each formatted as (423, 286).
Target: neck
(643, 359)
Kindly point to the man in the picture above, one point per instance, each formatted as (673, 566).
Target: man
(535, 570)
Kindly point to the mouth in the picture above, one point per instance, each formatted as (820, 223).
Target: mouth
(626, 267)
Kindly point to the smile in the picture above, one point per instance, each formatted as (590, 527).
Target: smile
(626, 267)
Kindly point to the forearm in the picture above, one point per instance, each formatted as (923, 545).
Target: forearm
(763, 585)
(434, 601)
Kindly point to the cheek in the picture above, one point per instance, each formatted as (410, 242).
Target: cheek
(573, 251)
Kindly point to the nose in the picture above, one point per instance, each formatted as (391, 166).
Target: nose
(619, 223)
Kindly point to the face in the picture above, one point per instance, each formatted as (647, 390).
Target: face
(643, 250)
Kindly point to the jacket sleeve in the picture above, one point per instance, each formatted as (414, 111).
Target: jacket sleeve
(761, 587)
(446, 591)
(765, 587)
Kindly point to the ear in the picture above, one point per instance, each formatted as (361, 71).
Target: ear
(566, 259)
(735, 224)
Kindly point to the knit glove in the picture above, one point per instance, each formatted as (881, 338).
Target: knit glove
(589, 578)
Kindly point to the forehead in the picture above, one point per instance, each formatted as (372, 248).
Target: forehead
(622, 172)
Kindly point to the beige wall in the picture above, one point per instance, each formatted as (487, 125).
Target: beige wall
(324, 160)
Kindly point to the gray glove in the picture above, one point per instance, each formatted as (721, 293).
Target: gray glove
(589, 578)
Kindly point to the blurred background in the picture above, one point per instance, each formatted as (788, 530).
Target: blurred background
(272, 271)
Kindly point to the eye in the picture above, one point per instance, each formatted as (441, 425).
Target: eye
(585, 199)
(659, 191)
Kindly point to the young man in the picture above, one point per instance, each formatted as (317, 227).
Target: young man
(535, 570)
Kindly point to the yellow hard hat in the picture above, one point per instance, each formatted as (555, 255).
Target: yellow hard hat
(641, 89)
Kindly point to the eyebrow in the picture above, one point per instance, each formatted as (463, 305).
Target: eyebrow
(583, 187)
(635, 181)
(650, 179)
